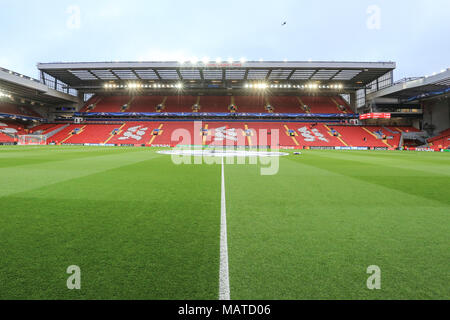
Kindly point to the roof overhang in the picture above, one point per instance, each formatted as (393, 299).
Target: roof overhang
(93, 76)
(416, 89)
(32, 90)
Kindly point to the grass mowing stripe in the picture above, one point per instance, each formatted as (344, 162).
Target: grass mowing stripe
(224, 276)
(39, 175)
(147, 230)
(311, 233)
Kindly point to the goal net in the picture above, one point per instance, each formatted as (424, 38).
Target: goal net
(32, 140)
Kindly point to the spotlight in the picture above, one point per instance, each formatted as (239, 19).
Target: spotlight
(205, 60)
(243, 60)
(219, 60)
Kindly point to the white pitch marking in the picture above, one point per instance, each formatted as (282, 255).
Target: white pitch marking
(224, 278)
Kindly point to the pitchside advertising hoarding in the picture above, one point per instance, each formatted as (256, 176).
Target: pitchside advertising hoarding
(367, 116)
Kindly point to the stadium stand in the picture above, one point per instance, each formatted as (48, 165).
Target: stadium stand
(66, 134)
(131, 133)
(318, 104)
(12, 109)
(441, 141)
(218, 104)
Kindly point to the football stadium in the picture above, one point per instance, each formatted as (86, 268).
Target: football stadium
(224, 179)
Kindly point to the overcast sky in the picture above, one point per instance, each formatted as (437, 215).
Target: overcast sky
(413, 33)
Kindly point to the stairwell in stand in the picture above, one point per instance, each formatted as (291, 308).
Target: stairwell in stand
(339, 137)
(376, 137)
(293, 137)
(303, 106)
(113, 135)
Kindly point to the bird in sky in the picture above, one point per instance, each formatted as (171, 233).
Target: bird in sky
(284, 23)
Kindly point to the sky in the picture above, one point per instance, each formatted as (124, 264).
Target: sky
(412, 33)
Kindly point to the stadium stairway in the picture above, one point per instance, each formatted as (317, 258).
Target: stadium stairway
(338, 137)
(356, 136)
(376, 136)
(292, 134)
(113, 133)
(111, 104)
(305, 108)
(90, 105)
(180, 104)
(340, 108)
(155, 133)
(93, 133)
(64, 134)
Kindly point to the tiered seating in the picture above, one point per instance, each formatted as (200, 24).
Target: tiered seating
(218, 104)
(6, 138)
(90, 103)
(132, 133)
(341, 101)
(321, 104)
(65, 134)
(110, 104)
(355, 136)
(163, 134)
(215, 103)
(13, 109)
(316, 135)
(41, 127)
(145, 104)
(441, 141)
(250, 104)
(287, 104)
(386, 133)
(181, 103)
(291, 134)
(12, 128)
(93, 133)
(45, 128)
(404, 129)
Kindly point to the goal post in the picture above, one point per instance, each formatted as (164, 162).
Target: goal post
(32, 140)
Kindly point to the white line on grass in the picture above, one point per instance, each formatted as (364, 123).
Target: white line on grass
(224, 279)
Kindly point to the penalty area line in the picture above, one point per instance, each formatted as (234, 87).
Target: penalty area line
(224, 278)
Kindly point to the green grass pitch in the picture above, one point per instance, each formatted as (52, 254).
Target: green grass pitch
(141, 227)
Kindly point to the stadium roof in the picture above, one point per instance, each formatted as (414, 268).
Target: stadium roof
(31, 90)
(85, 76)
(414, 89)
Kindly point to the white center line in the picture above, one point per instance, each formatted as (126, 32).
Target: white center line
(224, 279)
